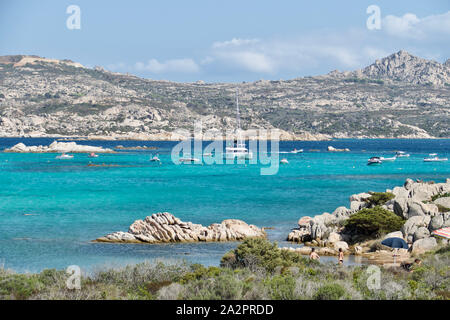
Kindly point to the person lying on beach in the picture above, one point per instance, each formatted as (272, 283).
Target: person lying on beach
(411, 266)
(341, 256)
(313, 255)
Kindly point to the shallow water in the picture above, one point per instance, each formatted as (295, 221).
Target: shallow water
(51, 209)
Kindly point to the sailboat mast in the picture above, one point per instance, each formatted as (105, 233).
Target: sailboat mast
(238, 119)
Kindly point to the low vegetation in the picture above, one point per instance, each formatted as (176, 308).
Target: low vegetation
(440, 195)
(256, 269)
(379, 198)
(373, 222)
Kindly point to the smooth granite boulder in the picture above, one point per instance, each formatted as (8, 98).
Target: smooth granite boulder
(424, 245)
(164, 228)
(421, 233)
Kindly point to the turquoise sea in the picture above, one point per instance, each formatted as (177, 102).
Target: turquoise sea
(51, 209)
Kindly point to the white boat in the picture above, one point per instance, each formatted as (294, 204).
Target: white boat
(64, 156)
(284, 161)
(388, 159)
(297, 151)
(432, 157)
(238, 150)
(402, 154)
(155, 159)
(189, 160)
(93, 155)
(374, 161)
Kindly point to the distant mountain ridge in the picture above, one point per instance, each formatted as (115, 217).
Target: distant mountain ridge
(403, 66)
(398, 96)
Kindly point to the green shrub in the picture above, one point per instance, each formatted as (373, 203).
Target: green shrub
(261, 253)
(373, 222)
(332, 291)
(281, 287)
(223, 287)
(379, 198)
(441, 208)
(19, 286)
(200, 272)
(440, 195)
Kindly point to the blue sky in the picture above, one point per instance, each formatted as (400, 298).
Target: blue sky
(227, 41)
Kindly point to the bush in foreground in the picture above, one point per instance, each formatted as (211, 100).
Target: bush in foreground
(295, 278)
(373, 222)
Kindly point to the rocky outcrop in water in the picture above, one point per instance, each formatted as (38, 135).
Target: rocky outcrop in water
(164, 228)
(421, 204)
(57, 147)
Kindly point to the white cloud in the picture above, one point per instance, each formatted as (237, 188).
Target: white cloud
(411, 26)
(248, 60)
(277, 55)
(311, 53)
(174, 65)
(235, 42)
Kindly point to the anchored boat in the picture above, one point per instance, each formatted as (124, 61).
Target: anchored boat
(64, 156)
(388, 159)
(402, 154)
(374, 161)
(238, 150)
(432, 157)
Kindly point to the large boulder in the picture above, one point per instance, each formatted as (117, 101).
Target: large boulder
(334, 237)
(299, 235)
(444, 201)
(164, 227)
(413, 223)
(318, 230)
(441, 220)
(341, 245)
(360, 197)
(304, 222)
(341, 212)
(421, 233)
(395, 234)
(423, 245)
(417, 208)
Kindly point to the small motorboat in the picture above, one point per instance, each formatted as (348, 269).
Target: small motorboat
(284, 161)
(93, 155)
(402, 154)
(189, 160)
(389, 159)
(297, 151)
(374, 161)
(155, 159)
(432, 157)
(64, 156)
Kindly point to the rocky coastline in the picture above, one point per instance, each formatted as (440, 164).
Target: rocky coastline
(166, 228)
(57, 147)
(423, 206)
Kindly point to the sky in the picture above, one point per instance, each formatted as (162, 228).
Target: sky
(225, 41)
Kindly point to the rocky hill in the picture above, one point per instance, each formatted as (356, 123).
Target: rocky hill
(398, 96)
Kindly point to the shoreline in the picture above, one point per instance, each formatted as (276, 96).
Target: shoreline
(164, 139)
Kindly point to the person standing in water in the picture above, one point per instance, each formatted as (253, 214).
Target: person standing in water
(313, 255)
(341, 256)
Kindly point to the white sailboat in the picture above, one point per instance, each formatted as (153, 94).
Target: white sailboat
(238, 150)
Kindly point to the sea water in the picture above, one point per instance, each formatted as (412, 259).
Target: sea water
(51, 210)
